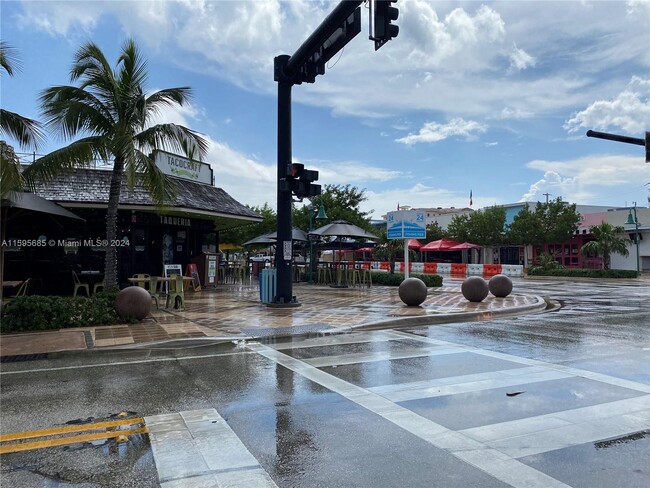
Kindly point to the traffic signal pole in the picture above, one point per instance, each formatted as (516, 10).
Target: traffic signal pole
(309, 61)
(284, 294)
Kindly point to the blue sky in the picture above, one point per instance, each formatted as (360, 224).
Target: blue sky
(493, 97)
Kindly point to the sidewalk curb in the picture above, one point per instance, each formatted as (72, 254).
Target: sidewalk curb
(447, 318)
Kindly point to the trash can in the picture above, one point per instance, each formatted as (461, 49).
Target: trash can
(268, 284)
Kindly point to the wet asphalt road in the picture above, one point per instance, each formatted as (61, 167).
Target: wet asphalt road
(560, 398)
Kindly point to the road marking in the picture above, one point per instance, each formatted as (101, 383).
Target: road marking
(16, 445)
(368, 357)
(451, 385)
(198, 448)
(68, 429)
(490, 460)
(583, 373)
(122, 363)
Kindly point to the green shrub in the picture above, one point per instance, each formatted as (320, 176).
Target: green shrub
(582, 272)
(395, 279)
(54, 312)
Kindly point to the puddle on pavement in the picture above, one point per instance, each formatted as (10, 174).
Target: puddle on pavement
(104, 462)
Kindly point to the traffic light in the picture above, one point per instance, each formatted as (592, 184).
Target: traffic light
(299, 181)
(382, 16)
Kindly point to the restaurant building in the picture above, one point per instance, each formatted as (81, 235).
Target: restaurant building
(148, 237)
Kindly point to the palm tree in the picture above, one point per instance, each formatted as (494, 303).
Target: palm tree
(26, 131)
(112, 113)
(606, 243)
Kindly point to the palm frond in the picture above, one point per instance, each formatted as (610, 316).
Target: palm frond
(173, 138)
(9, 59)
(161, 188)
(26, 131)
(80, 153)
(11, 178)
(71, 110)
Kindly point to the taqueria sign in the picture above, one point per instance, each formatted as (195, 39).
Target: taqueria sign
(182, 167)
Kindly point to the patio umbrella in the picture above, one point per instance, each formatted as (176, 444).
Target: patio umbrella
(464, 245)
(30, 202)
(296, 235)
(341, 228)
(414, 244)
(439, 245)
(263, 239)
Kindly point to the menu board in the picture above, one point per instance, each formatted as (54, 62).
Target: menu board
(194, 273)
(212, 268)
(171, 269)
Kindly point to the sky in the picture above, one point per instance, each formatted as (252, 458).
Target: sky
(489, 97)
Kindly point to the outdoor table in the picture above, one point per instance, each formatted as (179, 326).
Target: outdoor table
(92, 276)
(161, 279)
(12, 284)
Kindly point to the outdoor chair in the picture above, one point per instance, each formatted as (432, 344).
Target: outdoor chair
(353, 277)
(175, 292)
(23, 290)
(366, 277)
(78, 284)
(97, 286)
(141, 276)
(153, 290)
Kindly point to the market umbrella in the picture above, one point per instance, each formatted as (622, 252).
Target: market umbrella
(414, 244)
(296, 235)
(29, 202)
(440, 245)
(464, 245)
(342, 228)
(263, 239)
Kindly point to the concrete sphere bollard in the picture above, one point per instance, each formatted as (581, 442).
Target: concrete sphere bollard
(500, 285)
(475, 289)
(413, 291)
(133, 301)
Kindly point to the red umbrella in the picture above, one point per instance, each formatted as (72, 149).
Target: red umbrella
(364, 249)
(440, 245)
(465, 245)
(414, 244)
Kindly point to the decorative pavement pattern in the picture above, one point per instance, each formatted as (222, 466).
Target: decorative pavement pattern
(235, 312)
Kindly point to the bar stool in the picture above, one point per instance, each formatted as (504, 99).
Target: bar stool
(353, 277)
(366, 277)
(324, 275)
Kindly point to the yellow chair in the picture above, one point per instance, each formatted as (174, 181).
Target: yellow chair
(153, 290)
(366, 277)
(141, 276)
(97, 286)
(78, 284)
(176, 292)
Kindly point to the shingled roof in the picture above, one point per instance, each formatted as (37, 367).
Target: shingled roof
(92, 186)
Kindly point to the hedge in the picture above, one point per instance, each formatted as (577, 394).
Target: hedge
(53, 312)
(395, 279)
(583, 273)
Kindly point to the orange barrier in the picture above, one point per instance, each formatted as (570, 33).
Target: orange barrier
(384, 265)
(491, 269)
(431, 268)
(459, 269)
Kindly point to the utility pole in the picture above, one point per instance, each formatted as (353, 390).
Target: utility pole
(309, 61)
(546, 195)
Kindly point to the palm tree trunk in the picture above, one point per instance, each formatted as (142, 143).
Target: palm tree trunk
(110, 263)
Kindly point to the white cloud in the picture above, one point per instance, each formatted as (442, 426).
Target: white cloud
(434, 132)
(629, 111)
(520, 59)
(584, 180)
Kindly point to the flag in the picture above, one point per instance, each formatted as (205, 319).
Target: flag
(398, 206)
(470, 198)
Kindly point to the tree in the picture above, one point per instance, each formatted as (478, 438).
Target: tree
(387, 250)
(239, 235)
(341, 203)
(111, 111)
(483, 227)
(525, 229)
(606, 243)
(26, 131)
(557, 220)
(434, 232)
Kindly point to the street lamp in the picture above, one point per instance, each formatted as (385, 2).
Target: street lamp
(632, 220)
(320, 215)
